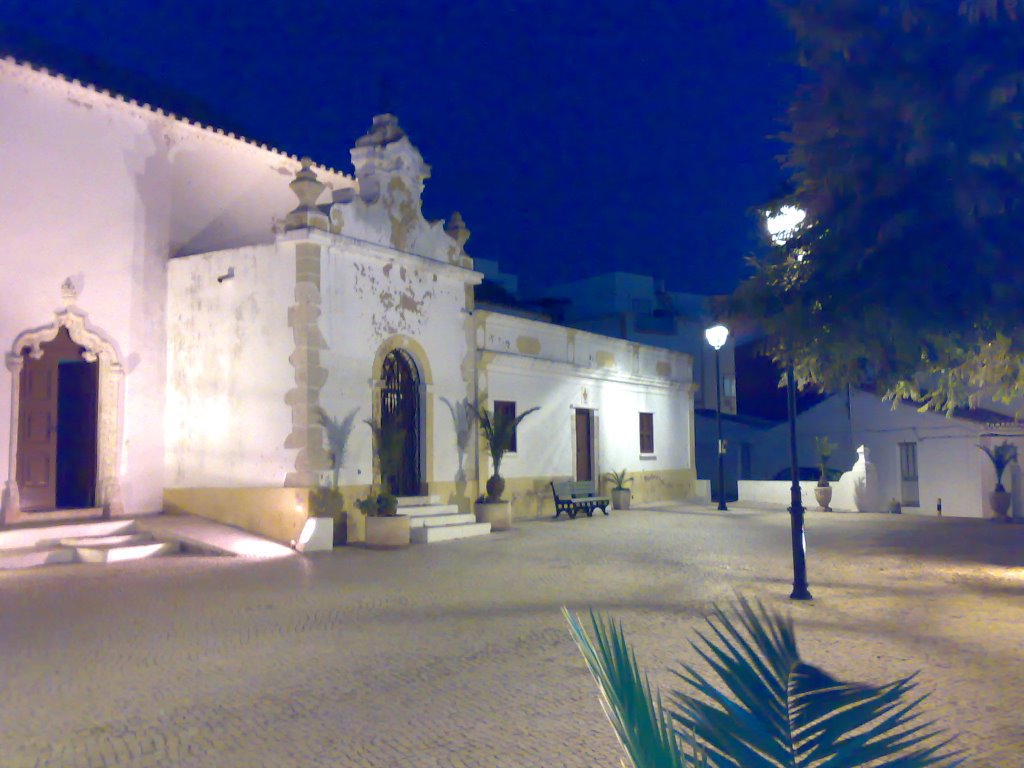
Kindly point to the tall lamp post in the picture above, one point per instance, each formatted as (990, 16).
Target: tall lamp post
(716, 336)
(781, 226)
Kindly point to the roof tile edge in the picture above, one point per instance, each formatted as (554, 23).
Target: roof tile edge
(17, 66)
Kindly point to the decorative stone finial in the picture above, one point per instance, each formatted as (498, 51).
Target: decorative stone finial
(385, 130)
(385, 157)
(457, 230)
(307, 188)
(68, 292)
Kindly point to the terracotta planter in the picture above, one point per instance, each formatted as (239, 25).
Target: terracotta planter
(386, 532)
(1000, 503)
(497, 513)
(823, 495)
(621, 498)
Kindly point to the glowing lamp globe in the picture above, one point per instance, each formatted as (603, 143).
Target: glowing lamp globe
(716, 336)
(782, 223)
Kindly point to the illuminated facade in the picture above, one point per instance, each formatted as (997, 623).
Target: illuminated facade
(218, 319)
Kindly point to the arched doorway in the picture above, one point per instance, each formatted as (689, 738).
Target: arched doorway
(400, 411)
(57, 426)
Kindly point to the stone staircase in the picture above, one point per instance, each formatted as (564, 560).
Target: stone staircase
(105, 541)
(431, 521)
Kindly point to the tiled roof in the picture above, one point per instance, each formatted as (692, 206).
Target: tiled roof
(28, 69)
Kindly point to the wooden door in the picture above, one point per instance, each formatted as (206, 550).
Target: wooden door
(37, 434)
(45, 471)
(584, 445)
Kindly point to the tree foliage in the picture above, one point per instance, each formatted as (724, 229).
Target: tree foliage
(905, 149)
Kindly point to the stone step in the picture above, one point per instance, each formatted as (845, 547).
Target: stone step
(433, 533)
(118, 540)
(30, 557)
(429, 510)
(418, 501)
(50, 535)
(422, 521)
(117, 554)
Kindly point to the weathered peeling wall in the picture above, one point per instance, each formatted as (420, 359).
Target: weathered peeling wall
(229, 341)
(373, 300)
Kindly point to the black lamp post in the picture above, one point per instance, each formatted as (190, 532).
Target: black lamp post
(781, 225)
(717, 336)
(796, 506)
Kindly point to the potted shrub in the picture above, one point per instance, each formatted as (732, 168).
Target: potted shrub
(498, 430)
(823, 491)
(1001, 456)
(620, 493)
(384, 526)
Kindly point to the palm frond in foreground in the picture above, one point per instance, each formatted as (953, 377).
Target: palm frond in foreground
(769, 709)
(641, 723)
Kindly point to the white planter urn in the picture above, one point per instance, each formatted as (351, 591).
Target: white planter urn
(865, 482)
(621, 498)
(387, 531)
(823, 495)
(497, 513)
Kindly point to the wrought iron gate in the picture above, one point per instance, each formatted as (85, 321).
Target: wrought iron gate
(400, 410)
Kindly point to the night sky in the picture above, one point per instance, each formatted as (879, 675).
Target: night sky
(575, 138)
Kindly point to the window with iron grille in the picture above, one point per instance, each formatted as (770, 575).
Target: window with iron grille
(908, 461)
(506, 409)
(646, 433)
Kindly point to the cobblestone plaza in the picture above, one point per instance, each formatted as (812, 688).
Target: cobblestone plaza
(456, 655)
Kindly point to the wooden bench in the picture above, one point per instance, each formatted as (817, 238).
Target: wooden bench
(573, 498)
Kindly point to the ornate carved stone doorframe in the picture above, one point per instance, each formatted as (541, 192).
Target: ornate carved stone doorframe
(109, 417)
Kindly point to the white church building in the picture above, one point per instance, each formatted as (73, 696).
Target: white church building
(194, 323)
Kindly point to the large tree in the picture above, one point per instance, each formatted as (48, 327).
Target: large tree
(905, 149)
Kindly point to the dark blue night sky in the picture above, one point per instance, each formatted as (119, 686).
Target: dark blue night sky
(575, 138)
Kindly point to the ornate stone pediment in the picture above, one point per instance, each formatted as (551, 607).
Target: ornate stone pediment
(385, 206)
(96, 347)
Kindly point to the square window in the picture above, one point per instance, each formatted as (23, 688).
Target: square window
(506, 409)
(646, 433)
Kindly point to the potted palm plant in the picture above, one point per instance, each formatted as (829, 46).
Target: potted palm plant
(498, 429)
(823, 491)
(1001, 457)
(620, 493)
(384, 526)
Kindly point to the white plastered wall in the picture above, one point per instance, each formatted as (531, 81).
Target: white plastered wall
(950, 466)
(104, 191)
(561, 369)
(228, 370)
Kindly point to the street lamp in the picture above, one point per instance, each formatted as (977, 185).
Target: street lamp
(716, 336)
(781, 226)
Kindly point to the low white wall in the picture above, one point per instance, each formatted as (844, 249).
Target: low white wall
(778, 492)
(702, 491)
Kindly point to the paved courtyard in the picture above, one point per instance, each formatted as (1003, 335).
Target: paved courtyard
(456, 655)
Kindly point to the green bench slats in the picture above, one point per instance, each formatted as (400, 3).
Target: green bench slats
(575, 497)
